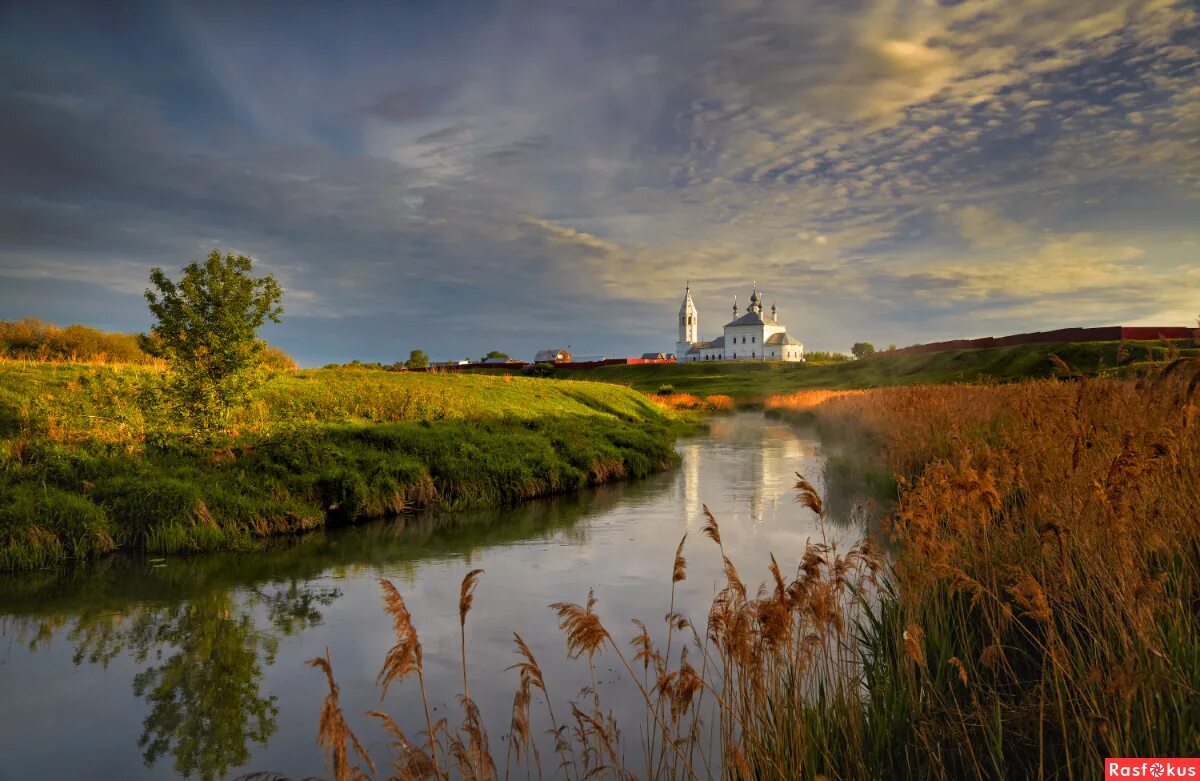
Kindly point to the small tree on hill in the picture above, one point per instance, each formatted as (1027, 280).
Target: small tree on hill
(207, 332)
(495, 354)
(417, 359)
(862, 349)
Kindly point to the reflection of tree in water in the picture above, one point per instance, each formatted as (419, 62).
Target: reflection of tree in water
(206, 659)
(205, 700)
(194, 619)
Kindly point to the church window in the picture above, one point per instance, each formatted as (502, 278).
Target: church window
(751, 338)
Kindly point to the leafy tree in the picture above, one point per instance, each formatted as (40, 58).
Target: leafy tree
(862, 349)
(206, 331)
(495, 354)
(417, 359)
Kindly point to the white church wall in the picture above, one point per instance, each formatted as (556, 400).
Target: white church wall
(740, 343)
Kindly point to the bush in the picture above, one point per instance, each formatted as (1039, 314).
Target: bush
(543, 370)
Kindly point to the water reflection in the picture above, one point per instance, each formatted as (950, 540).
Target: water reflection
(201, 666)
(194, 666)
(206, 703)
(202, 630)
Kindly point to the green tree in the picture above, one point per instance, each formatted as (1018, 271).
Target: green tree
(206, 331)
(494, 354)
(862, 349)
(417, 359)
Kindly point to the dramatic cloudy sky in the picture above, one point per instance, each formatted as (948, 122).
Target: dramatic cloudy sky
(515, 175)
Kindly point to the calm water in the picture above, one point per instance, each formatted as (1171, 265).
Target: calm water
(137, 669)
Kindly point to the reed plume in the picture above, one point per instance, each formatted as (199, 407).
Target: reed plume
(334, 733)
(584, 632)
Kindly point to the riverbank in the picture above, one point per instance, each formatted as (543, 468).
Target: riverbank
(85, 469)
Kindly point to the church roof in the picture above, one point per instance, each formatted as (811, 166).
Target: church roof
(784, 338)
(718, 342)
(753, 318)
(687, 301)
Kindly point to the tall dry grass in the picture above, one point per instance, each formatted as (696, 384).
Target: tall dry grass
(689, 401)
(805, 399)
(1049, 562)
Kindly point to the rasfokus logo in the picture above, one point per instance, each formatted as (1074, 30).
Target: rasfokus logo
(1152, 767)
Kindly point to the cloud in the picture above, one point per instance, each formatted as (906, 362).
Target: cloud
(983, 226)
(877, 166)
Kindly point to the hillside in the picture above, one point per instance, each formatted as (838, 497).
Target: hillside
(751, 382)
(83, 470)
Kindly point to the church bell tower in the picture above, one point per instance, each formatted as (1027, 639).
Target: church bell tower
(689, 325)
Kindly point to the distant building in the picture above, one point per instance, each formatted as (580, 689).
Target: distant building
(754, 336)
(500, 360)
(654, 356)
(552, 356)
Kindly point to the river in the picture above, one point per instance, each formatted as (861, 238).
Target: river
(140, 668)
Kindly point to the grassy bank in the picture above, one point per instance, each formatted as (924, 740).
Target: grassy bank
(750, 383)
(86, 469)
(1040, 614)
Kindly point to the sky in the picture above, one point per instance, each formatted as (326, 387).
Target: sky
(468, 176)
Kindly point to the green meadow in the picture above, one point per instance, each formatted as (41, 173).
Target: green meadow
(88, 466)
(750, 383)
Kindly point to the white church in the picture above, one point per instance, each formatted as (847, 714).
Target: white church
(752, 337)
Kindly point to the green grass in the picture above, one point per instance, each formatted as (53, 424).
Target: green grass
(750, 382)
(84, 470)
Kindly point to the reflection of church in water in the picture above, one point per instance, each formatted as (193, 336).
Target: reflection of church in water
(758, 472)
